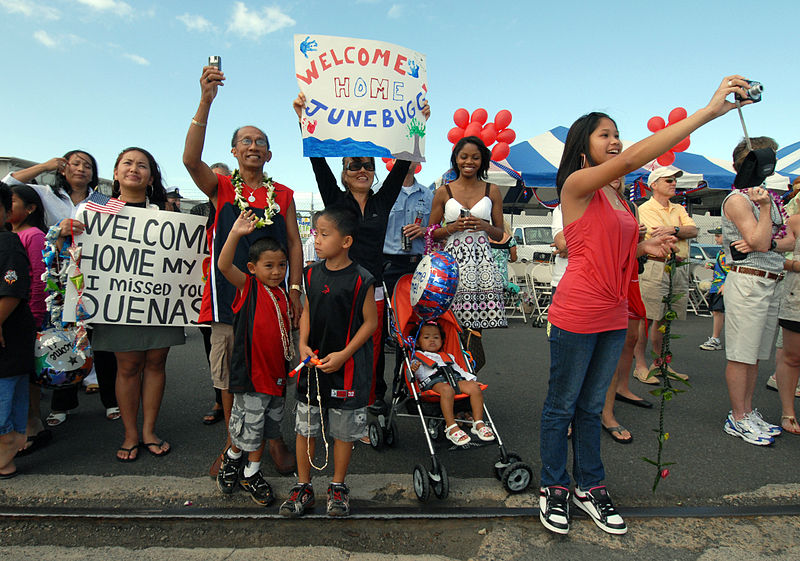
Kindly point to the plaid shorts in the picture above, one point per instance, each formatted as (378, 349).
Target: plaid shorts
(255, 417)
(347, 425)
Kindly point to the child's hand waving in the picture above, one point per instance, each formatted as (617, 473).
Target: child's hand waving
(245, 224)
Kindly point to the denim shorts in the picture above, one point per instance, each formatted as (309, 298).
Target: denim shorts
(13, 404)
(347, 425)
(439, 379)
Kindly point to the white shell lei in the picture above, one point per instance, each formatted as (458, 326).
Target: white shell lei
(272, 207)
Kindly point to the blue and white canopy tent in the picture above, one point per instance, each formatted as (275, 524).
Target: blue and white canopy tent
(789, 161)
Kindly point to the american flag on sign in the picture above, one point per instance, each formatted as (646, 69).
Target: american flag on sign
(104, 204)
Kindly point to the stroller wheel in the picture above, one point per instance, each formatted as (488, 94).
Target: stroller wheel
(441, 488)
(517, 477)
(422, 486)
(375, 433)
(390, 434)
(500, 466)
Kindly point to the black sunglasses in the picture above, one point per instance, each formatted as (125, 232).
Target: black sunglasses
(355, 165)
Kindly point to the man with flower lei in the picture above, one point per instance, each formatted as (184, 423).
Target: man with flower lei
(754, 228)
(249, 187)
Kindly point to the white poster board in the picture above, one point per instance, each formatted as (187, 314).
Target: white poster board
(363, 97)
(140, 267)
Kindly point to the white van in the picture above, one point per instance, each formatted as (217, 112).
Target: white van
(533, 243)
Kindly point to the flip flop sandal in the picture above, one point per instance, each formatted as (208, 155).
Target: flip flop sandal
(158, 445)
(130, 450)
(9, 475)
(112, 413)
(213, 416)
(457, 437)
(483, 432)
(616, 434)
(92, 388)
(36, 441)
(792, 423)
(54, 419)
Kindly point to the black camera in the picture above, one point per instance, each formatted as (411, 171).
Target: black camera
(754, 90)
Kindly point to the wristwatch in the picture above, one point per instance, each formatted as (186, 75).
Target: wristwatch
(773, 244)
(677, 229)
(296, 287)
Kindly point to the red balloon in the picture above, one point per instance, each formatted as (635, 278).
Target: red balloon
(655, 124)
(461, 118)
(502, 119)
(387, 160)
(455, 134)
(418, 168)
(508, 136)
(389, 165)
(677, 114)
(473, 129)
(479, 116)
(500, 151)
(666, 159)
(682, 145)
(489, 134)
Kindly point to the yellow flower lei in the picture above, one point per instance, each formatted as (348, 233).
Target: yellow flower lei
(269, 210)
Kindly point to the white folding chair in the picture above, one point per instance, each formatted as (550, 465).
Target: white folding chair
(512, 301)
(698, 302)
(539, 278)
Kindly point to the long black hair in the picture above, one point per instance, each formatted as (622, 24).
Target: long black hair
(29, 196)
(61, 184)
(486, 155)
(156, 193)
(576, 147)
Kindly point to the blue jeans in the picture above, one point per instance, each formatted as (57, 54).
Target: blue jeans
(13, 404)
(581, 368)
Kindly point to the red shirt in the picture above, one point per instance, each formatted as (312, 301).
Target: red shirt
(219, 294)
(592, 296)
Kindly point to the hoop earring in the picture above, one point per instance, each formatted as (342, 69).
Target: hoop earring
(583, 161)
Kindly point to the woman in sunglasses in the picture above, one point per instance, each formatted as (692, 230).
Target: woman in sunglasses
(358, 176)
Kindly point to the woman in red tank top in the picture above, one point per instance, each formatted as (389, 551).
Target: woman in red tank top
(589, 314)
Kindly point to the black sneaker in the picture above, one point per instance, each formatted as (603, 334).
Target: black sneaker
(597, 504)
(554, 508)
(258, 488)
(228, 474)
(301, 499)
(338, 500)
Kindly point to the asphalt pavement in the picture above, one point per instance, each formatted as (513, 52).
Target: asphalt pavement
(711, 467)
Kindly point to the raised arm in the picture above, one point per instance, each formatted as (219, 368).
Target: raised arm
(245, 224)
(584, 182)
(201, 174)
(29, 174)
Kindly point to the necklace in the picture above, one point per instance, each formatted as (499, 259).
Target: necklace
(286, 335)
(321, 417)
(269, 210)
(780, 229)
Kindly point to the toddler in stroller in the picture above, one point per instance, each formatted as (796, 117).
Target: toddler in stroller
(438, 371)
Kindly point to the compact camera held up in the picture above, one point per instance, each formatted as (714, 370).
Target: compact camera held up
(754, 91)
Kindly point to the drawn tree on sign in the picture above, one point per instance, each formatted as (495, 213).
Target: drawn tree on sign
(416, 129)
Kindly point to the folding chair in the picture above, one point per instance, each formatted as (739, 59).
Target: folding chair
(539, 278)
(698, 302)
(512, 301)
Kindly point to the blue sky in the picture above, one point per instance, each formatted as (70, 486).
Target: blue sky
(105, 74)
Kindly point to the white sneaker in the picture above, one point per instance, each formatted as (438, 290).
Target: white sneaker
(554, 508)
(597, 504)
(769, 429)
(713, 344)
(773, 385)
(745, 430)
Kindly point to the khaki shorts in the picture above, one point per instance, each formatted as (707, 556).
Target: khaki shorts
(751, 317)
(347, 425)
(654, 284)
(254, 418)
(220, 356)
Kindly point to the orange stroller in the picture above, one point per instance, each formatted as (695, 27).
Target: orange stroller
(509, 468)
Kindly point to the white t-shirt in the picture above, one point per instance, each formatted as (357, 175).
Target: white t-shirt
(56, 208)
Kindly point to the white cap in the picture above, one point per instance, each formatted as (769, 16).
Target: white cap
(664, 171)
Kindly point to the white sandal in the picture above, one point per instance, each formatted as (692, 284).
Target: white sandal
(112, 413)
(56, 418)
(457, 437)
(483, 432)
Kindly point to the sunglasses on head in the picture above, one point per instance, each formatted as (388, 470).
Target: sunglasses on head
(356, 165)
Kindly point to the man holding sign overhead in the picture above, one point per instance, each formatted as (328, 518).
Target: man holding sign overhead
(360, 99)
(247, 188)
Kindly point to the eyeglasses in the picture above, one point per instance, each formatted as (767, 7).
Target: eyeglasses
(249, 141)
(355, 166)
(669, 180)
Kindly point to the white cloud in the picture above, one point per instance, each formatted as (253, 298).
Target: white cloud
(45, 39)
(268, 20)
(395, 11)
(115, 6)
(196, 23)
(30, 9)
(137, 59)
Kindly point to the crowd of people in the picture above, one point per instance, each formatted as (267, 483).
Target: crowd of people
(264, 291)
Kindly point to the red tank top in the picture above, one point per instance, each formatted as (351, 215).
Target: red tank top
(592, 295)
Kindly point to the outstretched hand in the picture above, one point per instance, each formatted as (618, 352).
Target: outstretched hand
(660, 246)
(299, 103)
(245, 223)
(719, 105)
(210, 81)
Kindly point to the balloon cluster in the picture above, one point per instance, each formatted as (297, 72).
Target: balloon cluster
(491, 133)
(390, 164)
(657, 123)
